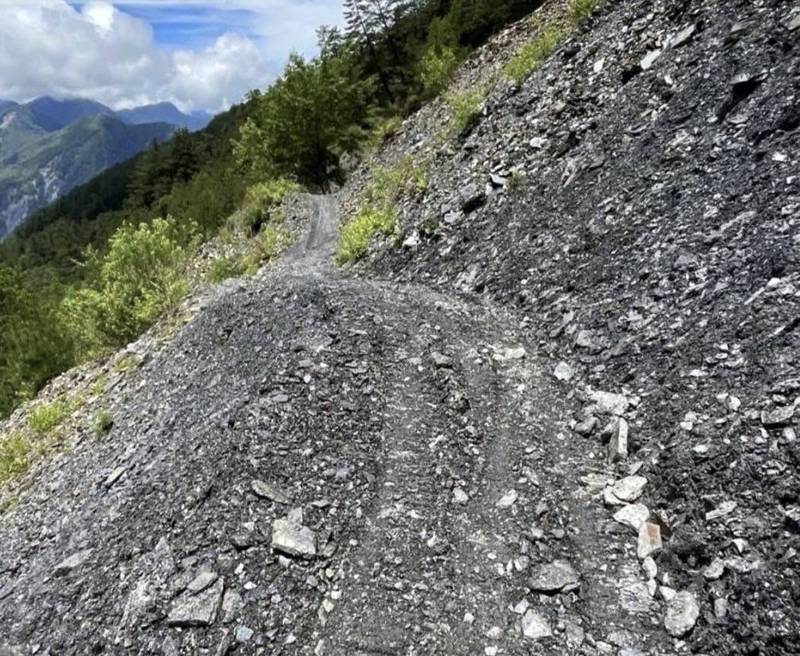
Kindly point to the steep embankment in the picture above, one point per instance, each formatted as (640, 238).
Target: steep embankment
(637, 202)
(567, 426)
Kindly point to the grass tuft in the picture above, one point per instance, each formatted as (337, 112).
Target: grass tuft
(357, 234)
(582, 9)
(15, 452)
(531, 55)
(378, 213)
(465, 108)
(45, 418)
(103, 421)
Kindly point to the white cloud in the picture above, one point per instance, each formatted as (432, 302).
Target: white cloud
(100, 52)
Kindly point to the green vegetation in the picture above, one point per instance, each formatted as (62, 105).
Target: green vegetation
(15, 453)
(103, 421)
(582, 9)
(45, 418)
(531, 55)
(465, 107)
(357, 234)
(140, 277)
(378, 213)
(94, 269)
(436, 69)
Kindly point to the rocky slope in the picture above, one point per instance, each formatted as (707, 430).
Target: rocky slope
(560, 418)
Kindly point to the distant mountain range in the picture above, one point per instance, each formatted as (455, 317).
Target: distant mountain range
(48, 146)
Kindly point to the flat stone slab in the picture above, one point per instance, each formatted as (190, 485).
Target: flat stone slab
(197, 609)
(269, 491)
(71, 563)
(293, 538)
(558, 576)
(633, 515)
(629, 488)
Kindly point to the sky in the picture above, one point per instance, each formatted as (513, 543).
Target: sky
(198, 54)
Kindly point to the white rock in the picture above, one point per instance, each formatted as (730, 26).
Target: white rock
(268, 491)
(633, 515)
(608, 402)
(649, 540)
(629, 488)
(535, 626)
(508, 499)
(73, 562)
(459, 496)
(649, 59)
(667, 593)
(715, 570)
(293, 538)
(563, 372)
(682, 614)
(635, 597)
(197, 609)
(725, 508)
(650, 568)
(554, 577)
(618, 445)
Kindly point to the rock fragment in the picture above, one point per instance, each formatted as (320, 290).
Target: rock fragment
(618, 445)
(778, 417)
(649, 540)
(725, 508)
(197, 609)
(269, 491)
(633, 515)
(508, 499)
(471, 198)
(715, 570)
(563, 372)
(558, 576)
(73, 562)
(535, 626)
(629, 489)
(682, 614)
(289, 536)
(609, 403)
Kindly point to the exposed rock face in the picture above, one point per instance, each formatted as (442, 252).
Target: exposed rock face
(442, 478)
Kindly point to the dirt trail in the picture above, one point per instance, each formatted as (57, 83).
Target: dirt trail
(424, 441)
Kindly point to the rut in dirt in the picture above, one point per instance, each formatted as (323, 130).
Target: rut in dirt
(331, 465)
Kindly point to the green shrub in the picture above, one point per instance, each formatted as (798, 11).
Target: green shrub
(531, 55)
(436, 68)
(103, 422)
(140, 277)
(15, 453)
(378, 213)
(382, 130)
(224, 268)
(465, 108)
(270, 243)
(262, 203)
(46, 417)
(581, 9)
(357, 234)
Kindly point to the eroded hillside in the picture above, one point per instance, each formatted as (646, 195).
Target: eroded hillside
(554, 413)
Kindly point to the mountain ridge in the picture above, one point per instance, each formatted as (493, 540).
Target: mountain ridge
(32, 172)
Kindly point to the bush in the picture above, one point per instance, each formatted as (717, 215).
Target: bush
(357, 234)
(44, 418)
(140, 277)
(531, 55)
(103, 422)
(436, 68)
(581, 9)
(465, 108)
(262, 204)
(378, 213)
(226, 267)
(15, 453)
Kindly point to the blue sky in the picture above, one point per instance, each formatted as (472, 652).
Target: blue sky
(198, 54)
(194, 26)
